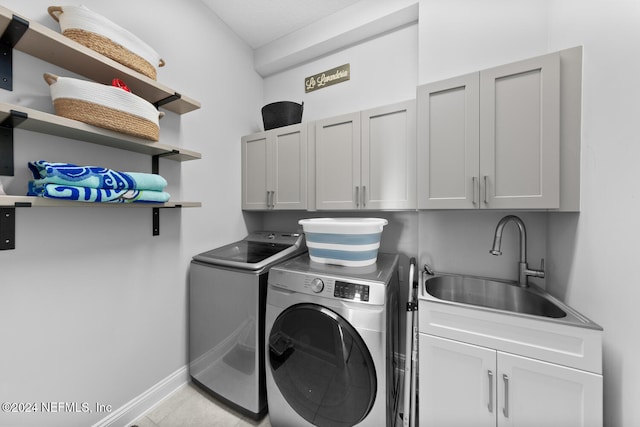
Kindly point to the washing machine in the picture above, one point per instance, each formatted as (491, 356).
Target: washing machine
(332, 343)
(227, 296)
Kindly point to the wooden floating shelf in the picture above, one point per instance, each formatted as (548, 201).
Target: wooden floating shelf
(41, 202)
(43, 43)
(51, 124)
(51, 46)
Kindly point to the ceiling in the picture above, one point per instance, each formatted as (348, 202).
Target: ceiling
(259, 22)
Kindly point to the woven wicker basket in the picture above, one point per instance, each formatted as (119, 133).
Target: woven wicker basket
(107, 38)
(104, 106)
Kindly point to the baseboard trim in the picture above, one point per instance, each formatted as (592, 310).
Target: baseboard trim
(146, 401)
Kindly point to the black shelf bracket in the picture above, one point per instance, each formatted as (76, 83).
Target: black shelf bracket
(11, 36)
(155, 221)
(167, 100)
(155, 160)
(155, 169)
(8, 225)
(7, 228)
(155, 164)
(13, 120)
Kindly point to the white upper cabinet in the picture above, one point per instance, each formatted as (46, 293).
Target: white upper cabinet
(520, 134)
(366, 160)
(389, 157)
(449, 143)
(288, 178)
(507, 137)
(337, 162)
(254, 171)
(492, 139)
(274, 169)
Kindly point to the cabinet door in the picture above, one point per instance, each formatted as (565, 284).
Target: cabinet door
(337, 160)
(539, 394)
(457, 383)
(519, 134)
(288, 169)
(388, 178)
(448, 143)
(254, 171)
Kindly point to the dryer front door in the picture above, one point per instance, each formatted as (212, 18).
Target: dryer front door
(322, 366)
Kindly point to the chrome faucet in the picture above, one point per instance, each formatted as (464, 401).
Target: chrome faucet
(523, 269)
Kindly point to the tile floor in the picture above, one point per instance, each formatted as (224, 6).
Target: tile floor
(191, 407)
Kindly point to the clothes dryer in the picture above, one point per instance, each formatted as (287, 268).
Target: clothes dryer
(331, 343)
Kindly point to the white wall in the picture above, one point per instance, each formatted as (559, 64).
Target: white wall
(383, 71)
(590, 255)
(462, 36)
(598, 248)
(92, 306)
(350, 26)
(459, 242)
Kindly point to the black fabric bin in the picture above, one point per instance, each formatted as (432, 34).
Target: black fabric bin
(283, 113)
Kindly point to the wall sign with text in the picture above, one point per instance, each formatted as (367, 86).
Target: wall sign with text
(327, 78)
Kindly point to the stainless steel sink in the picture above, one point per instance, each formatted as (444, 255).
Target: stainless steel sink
(506, 296)
(500, 314)
(501, 296)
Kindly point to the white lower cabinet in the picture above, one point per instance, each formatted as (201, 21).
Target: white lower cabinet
(536, 393)
(463, 384)
(455, 386)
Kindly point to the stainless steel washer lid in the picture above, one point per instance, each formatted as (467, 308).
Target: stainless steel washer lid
(256, 251)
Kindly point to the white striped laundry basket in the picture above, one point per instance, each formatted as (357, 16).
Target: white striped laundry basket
(352, 242)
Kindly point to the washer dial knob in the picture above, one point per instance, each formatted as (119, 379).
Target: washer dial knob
(317, 285)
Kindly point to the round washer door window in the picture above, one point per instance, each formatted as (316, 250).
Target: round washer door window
(322, 366)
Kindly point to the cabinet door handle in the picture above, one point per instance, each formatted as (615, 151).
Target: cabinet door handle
(485, 189)
(473, 190)
(364, 196)
(490, 405)
(357, 196)
(505, 409)
(270, 198)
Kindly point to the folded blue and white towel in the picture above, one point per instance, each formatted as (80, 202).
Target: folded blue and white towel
(93, 177)
(86, 194)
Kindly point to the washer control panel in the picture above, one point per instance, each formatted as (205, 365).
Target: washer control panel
(331, 287)
(351, 291)
(326, 286)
